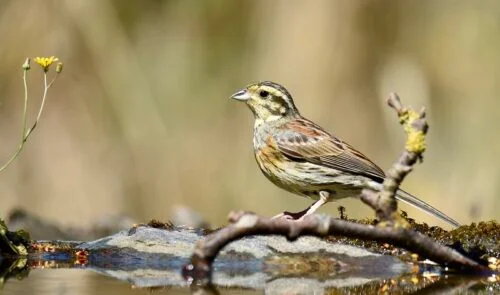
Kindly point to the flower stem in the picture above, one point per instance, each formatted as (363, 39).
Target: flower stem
(23, 130)
(25, 134)
(46, 89)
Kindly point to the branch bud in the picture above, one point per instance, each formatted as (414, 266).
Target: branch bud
(59, 67)
(26, 64)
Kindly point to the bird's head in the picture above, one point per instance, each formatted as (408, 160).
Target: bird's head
(268, 101)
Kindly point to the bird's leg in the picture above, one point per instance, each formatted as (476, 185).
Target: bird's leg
(324, 197)
(293, 215)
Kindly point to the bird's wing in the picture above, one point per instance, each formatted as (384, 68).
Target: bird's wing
(303, 140)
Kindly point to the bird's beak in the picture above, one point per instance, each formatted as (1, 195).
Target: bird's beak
(241, 95)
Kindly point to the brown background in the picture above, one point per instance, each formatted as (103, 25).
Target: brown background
(141, 119)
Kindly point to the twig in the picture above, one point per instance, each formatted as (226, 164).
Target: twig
(415, 125)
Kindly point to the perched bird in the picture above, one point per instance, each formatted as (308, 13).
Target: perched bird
(299, 156)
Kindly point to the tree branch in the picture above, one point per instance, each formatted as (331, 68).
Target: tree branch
(247, 224)
(415, 125)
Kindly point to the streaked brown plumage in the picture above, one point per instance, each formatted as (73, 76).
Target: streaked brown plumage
(299, 156)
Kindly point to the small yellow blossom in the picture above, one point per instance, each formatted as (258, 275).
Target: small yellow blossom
(45, 62)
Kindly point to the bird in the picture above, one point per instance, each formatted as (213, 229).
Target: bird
(300, 157)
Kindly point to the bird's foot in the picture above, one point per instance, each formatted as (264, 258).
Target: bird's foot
(294, 216)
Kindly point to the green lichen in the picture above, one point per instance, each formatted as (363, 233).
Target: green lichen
(415, 141)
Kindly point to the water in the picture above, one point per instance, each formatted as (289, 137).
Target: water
(253, 265)
(84, 282)
(66, 281)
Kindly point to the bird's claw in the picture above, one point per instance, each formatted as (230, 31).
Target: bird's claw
(291, 215)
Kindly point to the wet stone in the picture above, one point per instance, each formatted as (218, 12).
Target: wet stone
(148, 257)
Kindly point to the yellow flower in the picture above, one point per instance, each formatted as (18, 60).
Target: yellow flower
(45, 62)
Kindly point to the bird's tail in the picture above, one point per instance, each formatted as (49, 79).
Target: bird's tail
(419, 204)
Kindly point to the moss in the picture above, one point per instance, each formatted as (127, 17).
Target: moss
(13, 243)
(478, 241)
(160, 224)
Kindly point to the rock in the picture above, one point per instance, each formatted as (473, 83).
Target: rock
(148, 257)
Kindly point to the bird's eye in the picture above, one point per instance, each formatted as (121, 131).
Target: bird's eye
(263, 94)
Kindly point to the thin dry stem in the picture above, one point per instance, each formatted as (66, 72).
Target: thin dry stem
(23, 128)
(25, 134)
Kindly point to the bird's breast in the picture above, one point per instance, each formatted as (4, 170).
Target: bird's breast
(274, 164)
(303, 178)
(269, 159)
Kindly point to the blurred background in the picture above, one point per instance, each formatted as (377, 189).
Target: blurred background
(140, 120)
